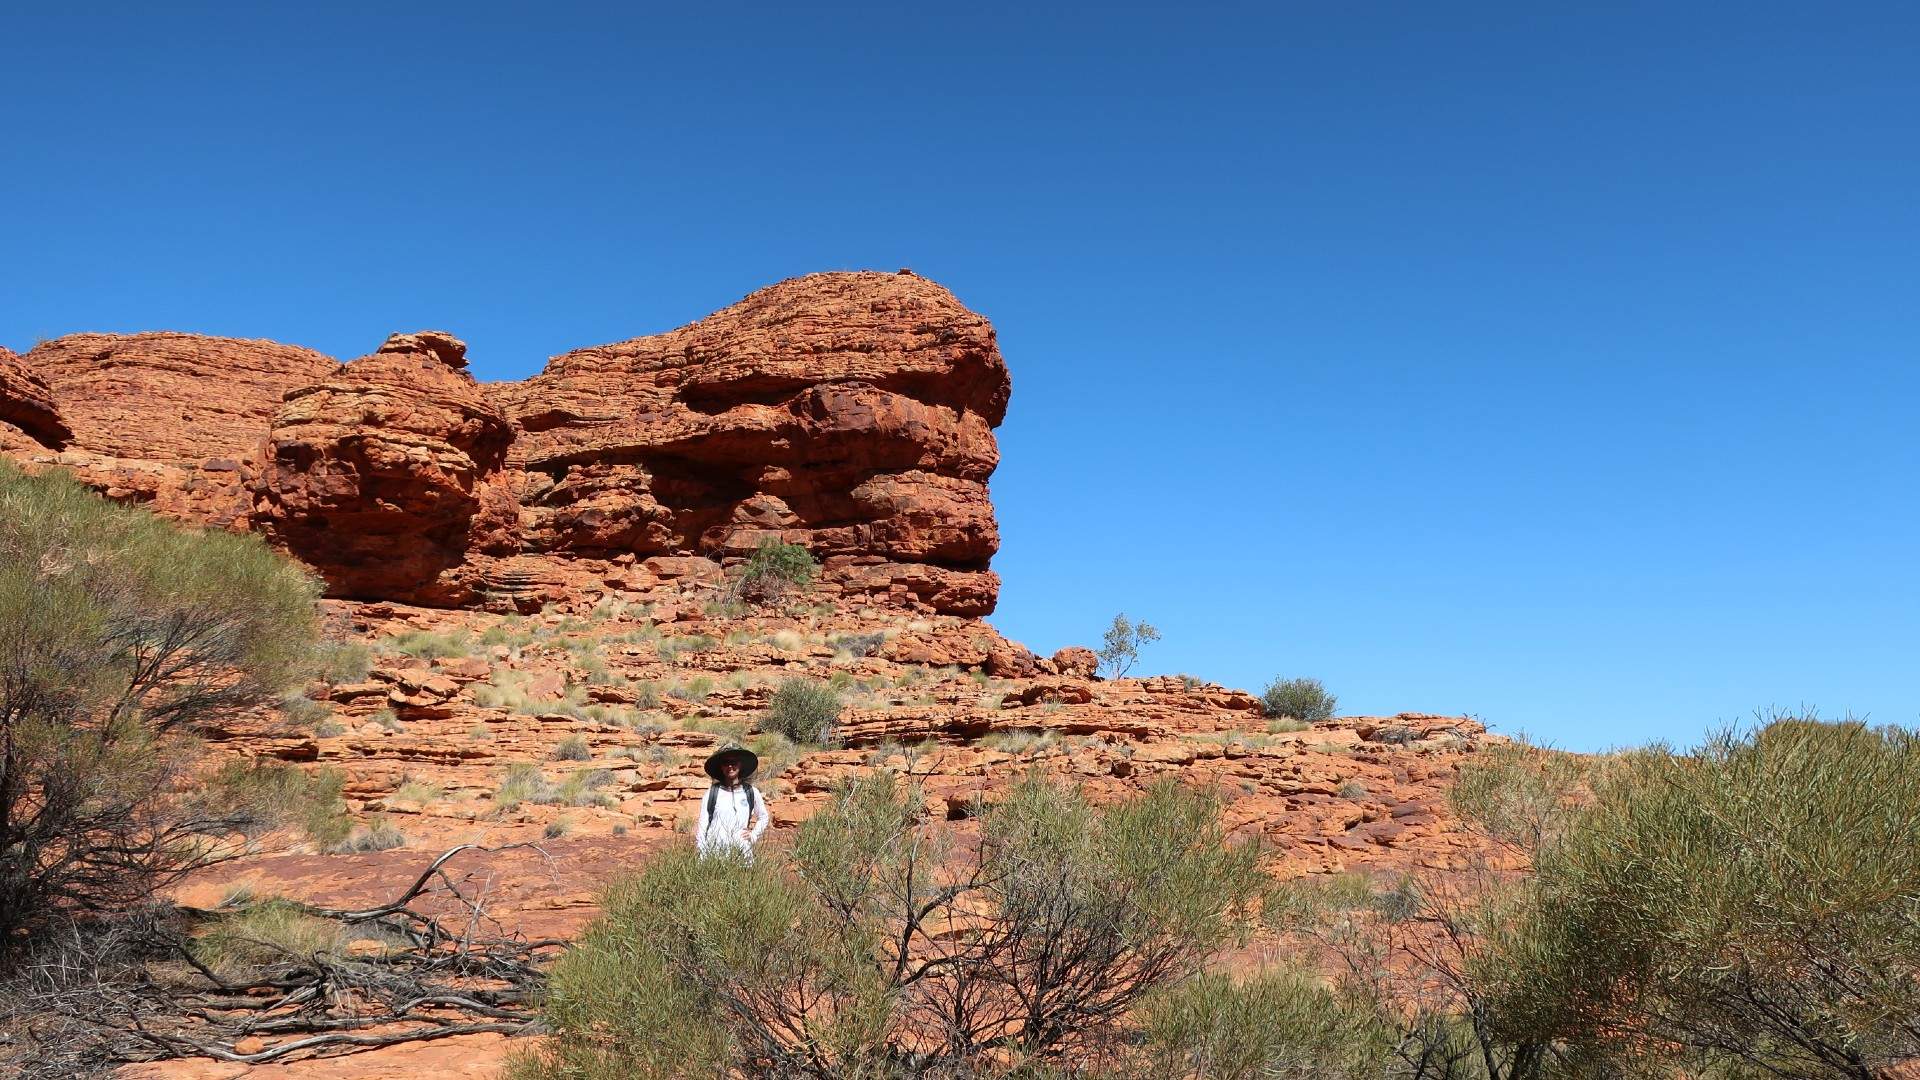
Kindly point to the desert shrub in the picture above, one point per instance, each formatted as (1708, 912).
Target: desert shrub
(573, 748)
(1120, 648)
(556, 829)
(1303, 900)
(343, 661)
(1353, 789)
(1304, 700)
(1747, 901)
(836, 962)
(433, 644)
(860, 644)
(775, 570)
(378, 834)
(1279, 1024)
(260, 795)
(803, 710)
(120, 637)
(1021, 741)
(304, 712)
(418, 792)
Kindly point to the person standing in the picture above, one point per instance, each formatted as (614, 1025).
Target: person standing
(733, 813)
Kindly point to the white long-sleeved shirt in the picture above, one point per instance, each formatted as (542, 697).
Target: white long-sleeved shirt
(720, 830)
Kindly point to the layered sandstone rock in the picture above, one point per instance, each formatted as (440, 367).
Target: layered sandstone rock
(388, 474)
(28, 417)
(849, 412)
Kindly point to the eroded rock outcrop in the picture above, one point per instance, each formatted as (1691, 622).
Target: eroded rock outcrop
(385, 476)
(28, 417)
(849, 412)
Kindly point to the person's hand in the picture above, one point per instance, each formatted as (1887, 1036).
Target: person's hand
(746, 834)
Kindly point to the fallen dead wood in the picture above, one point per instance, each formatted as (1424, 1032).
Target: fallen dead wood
(429, 964)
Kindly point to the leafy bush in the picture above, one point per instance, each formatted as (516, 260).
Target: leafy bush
(804, 711)
(839, 962)
(120, 637)
(1748, 901)
(1304, 700)
(1122, 642)
(774, 570)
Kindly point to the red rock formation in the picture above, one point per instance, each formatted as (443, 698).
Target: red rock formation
(385, 476)
(849, 412)
(28, 417)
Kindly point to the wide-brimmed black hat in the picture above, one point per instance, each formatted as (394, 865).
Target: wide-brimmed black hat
(748, 762)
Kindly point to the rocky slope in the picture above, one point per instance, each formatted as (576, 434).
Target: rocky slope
(851, 412)
(539, 573)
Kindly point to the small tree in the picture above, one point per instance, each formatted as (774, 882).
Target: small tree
(774, 570)
(885, 949)
(1298, 699)
(804, 710)
(120, 637)
(1122, 648)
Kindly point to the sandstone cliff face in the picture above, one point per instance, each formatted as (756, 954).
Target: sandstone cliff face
(849, 412)
(28, 417)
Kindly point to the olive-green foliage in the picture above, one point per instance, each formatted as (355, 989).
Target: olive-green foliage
(1756, 901)
(803, 710)
(573, 748)
(1279, 1024)
(432, 644)
(838, 960)
(524, 782)
(120, 635)
(262, 795)
(1304, 700)
(1302, 901)
(775, 569)
(1120, 648)
(1523, 794)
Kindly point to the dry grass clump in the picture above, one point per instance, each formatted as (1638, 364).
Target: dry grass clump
(573, 748)
(378, 834)
(524, 782)
(1021, 741)
(273, 931)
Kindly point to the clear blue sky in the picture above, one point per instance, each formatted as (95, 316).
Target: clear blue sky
(1559, 367)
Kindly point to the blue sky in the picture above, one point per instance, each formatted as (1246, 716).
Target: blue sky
(1560, 367)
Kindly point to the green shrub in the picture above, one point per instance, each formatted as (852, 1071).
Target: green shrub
(774, 570)
(433, 644)
(1075, 912)
(573, 748)
(1276, 1024)
(1304, 700)
(804, 711)
(121, 636)
(1757, 901)
(304, 712)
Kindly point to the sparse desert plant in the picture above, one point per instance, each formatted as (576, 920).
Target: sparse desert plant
(803, 710)
(343, 661)
(695, 689)
(860, 644)
(378, 834)
(432, 644)
(263, 933)
(774, 570)
(261, 795)
(1304, 700)
(1353, 789)
(573, 748)
(121, 636)
(388, 719)
(1120, 648)
(418, 792)
(556, 829)
(1286, 724)
(1021, 741)
(303, 712)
